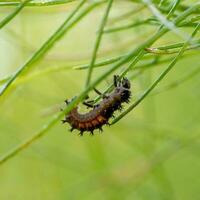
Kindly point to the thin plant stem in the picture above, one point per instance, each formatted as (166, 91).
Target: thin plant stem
(177, 82)
(126, 15)
(47, 45)
(36, 3)
(29, 141)
(98, 41)
(8, 18)
(172, 10)
(155, 83)
(164, 20)
(128, 26)
(163, 50)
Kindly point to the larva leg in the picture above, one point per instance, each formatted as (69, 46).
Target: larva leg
(108, 123)
(67, 102)
(91, 132)
(115, 77)
(71, 129)
(100, 129)
(91, 101)
(98, 92)
(81, 133)
(86, 103)
(101, 94)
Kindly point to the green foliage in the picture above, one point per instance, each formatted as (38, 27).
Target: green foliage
(53, 50)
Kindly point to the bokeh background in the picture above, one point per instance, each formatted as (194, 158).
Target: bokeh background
(151, 153)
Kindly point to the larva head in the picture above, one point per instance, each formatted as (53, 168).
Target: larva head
(123, 89)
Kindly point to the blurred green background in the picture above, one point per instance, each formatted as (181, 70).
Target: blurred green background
(151, 153)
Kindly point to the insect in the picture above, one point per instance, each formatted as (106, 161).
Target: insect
(100, 113)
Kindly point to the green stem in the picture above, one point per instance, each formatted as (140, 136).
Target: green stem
(155, 83)
(97, 43)
(33, 3)
(177, 82)
(49, 43)
(8, 18)
(28, 141)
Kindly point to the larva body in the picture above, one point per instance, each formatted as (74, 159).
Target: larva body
(102, 112)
